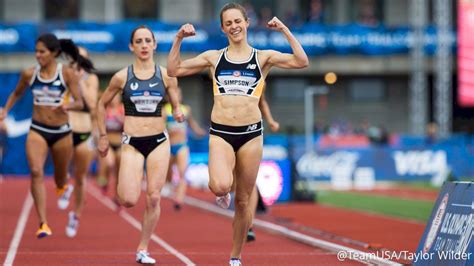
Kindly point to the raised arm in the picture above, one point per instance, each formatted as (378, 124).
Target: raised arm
(115, 86)
(178, 68)
(21, 86)
(298, 59)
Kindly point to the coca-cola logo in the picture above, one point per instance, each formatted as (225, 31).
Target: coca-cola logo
(313, 165)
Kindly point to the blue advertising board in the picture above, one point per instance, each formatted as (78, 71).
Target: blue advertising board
(316, 39)
(387, 163)
(448, 236)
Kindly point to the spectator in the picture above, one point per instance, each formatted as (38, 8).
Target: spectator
(367, 13)
(316, 13)
(252, 15)
(363, 127)
(291, 17)
(431, 133)
(266, 15)
(377, 135)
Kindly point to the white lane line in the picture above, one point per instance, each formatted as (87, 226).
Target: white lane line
(20, 227)
(463, 205)
(127, 217)
(358, 255)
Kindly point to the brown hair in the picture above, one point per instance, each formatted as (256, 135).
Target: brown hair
(141, 27)
(234, 6)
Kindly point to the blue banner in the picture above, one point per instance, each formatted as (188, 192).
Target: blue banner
(17, 124)
(316, 39)
(430, 162)
(447, 239)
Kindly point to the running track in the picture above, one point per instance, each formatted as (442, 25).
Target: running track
(107, 236)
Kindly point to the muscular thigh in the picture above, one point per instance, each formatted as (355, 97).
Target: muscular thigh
(36, 149)
(62, 152)
(248, 163)
(131, 170)
(221, 158)
(82, 155)
(157, 165)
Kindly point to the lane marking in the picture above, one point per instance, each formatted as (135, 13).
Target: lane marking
(293, 234)
(463, 205)
(20, 228)
(135, 223)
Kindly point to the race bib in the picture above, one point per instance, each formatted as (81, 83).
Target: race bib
(146, 102)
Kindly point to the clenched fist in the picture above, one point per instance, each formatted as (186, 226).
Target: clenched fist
(276, 24)
(186, 30)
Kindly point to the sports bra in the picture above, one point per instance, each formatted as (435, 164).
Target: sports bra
(238, 78)
(49, 92)
(143, 97)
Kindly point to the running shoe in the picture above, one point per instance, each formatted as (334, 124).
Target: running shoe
(43, 231)
(167, 190)
(143, 257)
(235, 262)
(72, 225)
(64, 194)
(250, 235)
(224, 201)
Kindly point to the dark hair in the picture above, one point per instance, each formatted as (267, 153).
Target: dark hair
(67, 46)
(141, 27)
(234, 6)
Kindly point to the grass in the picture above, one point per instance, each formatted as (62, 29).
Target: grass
(402, 208)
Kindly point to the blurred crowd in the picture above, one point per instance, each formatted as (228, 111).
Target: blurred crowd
(376, 134)
(365, 14)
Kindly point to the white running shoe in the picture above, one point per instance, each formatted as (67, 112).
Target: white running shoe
(167, 190)
(72, 225)
(224, 201)
(235, 262)
(63, 201)
(143, 257)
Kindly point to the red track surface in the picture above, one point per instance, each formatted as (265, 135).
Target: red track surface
(342, 226)
(105, 238)
(392, 234)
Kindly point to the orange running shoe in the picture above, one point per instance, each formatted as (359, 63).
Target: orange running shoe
(64, 194)
(43, 231)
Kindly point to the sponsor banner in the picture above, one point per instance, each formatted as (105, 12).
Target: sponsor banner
(19, 37)
(275, 147)
(316, 39)
(466, 53)
(390, 164)
(447, 239)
